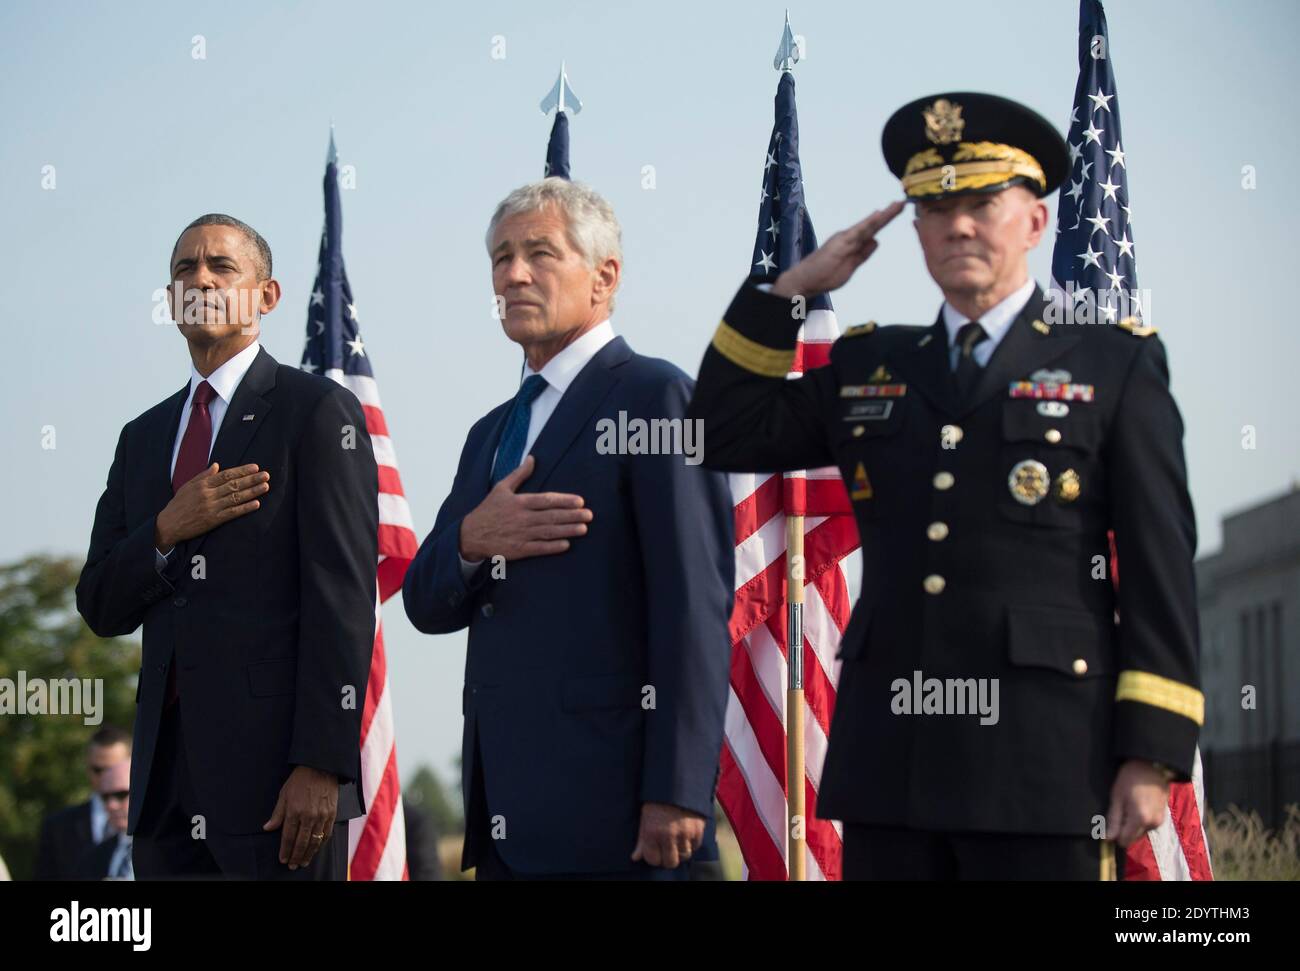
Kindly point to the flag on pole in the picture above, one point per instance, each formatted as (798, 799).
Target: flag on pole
(1095, 265)
(752, 783)
(557, 148)
(376, 841)
(562, 99)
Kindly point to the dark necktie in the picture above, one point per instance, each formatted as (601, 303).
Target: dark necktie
(968, 369)
(190, 461)
(197, 441)
(511, 450)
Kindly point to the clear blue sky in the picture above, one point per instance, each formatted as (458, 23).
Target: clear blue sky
(144, 138)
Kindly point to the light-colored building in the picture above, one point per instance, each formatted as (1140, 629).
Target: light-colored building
(1249, 598)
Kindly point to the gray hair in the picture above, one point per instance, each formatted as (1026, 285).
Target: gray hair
(591, 226)
(261, 249)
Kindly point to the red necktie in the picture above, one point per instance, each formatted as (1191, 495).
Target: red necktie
(190, 461)
(193, 455)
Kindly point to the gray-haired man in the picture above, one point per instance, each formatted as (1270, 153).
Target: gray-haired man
(594, 573)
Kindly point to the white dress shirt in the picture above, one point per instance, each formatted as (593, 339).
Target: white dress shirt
(559, 373)
(98, 818)
(996, 321)
(224, 381)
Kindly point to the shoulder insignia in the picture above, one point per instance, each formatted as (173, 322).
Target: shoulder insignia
(859, 329)
(1131, 325)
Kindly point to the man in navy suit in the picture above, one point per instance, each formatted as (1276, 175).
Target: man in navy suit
(591, 559)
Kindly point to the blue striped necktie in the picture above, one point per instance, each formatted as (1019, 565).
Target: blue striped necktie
(511, 450)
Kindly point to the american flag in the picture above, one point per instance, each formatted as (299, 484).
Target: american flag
(752, 783)
(376, 841)
(1094, 262)
(557, 148)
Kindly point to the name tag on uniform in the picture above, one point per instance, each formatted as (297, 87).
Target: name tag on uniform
(868, 411)
(873, 390)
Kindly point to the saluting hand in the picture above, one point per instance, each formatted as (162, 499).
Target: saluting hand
(518, 525)
(209, 499)
(831, 264)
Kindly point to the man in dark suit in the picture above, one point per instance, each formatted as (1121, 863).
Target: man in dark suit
(240, 526)
(69, 834)
(992, 719)
(111, 856)
(594, 571)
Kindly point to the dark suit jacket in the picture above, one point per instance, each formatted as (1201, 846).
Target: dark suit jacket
(962, 580)
(560, 650)
(96, 860)
(65, 839)
(273, 643)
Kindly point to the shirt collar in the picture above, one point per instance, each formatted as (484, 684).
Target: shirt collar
(225, 379)
(560, 370)
(996, 321)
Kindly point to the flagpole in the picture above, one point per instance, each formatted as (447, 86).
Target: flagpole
(794, 572)
(796, 825)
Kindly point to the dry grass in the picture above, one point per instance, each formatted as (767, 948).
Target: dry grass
(1242, 849)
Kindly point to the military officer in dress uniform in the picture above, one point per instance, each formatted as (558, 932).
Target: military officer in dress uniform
(1003, 712)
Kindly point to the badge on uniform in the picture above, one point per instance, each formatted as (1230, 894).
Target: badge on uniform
(1028, 482)
(873, 390)
(868, 411)
(880, 376)
(1067, 487)
(861, 484)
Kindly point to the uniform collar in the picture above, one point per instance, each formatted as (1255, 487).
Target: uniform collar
(560, 370)
(996, 321)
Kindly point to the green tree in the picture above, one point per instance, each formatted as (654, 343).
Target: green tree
(425, 791)
(42, 760)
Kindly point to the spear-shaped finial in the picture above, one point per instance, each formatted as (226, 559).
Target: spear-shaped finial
(788, 53)
(561, 97)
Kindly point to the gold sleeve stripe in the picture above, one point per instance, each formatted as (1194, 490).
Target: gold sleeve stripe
(770, 362)
(1151, 689)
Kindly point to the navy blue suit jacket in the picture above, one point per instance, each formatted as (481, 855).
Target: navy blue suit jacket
(564, 649)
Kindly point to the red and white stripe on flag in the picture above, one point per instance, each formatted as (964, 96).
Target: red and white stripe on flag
(1177, 849)
(377, 840)
(752, 783)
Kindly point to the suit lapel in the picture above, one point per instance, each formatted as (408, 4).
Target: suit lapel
(246, 413)
(235, 433)
(1022, 349)
(480, 474)
(576, 406)
(925, 364)
(162, 440)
